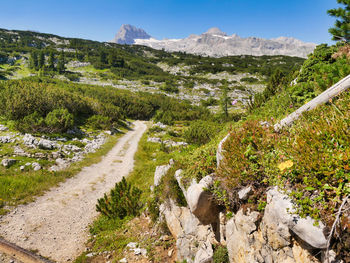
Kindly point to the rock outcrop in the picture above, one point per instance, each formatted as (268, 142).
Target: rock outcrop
(193, 239)
(201, 201)
(275, 236)
(161, 171)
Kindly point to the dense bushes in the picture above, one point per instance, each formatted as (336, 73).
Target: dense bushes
(200, 132)
(46, 105)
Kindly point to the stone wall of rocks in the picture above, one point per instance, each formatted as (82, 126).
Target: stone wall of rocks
(276, 235)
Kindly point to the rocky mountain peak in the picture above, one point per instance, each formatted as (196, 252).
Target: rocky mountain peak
(128, 33)
(215, 31)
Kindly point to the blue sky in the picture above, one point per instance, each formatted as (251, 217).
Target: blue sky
(100, 19)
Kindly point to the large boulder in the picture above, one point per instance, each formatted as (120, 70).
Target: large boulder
(243, 241)
(192, 238)
(279, 210)
(201, 201)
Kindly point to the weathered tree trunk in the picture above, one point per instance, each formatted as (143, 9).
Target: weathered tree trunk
(325, 96)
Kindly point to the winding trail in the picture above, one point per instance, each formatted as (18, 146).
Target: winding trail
(56, 224)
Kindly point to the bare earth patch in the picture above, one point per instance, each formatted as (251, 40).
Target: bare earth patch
(56, 224)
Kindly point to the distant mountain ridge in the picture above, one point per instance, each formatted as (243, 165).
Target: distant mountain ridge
(216, 43)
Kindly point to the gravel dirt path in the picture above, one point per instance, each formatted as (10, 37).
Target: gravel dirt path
(56, 224)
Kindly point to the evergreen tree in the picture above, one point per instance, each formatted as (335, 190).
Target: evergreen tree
(51, 61)
(33, 61)
(41, 62)
(61, 63)
(341, 29)
(103, 57)
(225, 100)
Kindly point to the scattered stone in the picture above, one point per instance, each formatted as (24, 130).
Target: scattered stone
(8, 162)
(71, 148)
(132, 245)
(244, 193)
(28, 164)
(90, 255)
(3, 128)
(164, 238)
(265, 124)
(137, 251)
(56, 155)
(123, 260)
(22, 168)
(40, 155)
(30, 140)
(19, 152)
(160, 125)
(47, 144)
(6, 139)
(36, 166)
(170, 253)
(154, 140)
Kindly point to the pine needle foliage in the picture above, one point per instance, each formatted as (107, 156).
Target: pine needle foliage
(123, 200)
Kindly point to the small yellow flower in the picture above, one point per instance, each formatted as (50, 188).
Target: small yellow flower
(285, 165)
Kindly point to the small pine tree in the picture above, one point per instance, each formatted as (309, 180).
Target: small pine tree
(33, 61)
(123, 200)
(41, 61)
(103, 58)
(61, 63)
(225, 100)
(51, 61)
(341, 29)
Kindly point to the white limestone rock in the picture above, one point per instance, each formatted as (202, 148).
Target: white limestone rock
(280, 209)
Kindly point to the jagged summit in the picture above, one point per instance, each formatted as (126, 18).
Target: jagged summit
(216, 43)
(215, 31)
(128, 33)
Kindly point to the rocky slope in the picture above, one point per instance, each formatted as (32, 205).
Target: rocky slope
(216, 43)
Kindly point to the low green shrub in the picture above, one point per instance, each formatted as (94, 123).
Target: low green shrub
(31, 123)
(123, 200)
(200, 132)
(72, 76)
(170, 88)
(250, 80)
(59, 120)
(209, 102)
(221, 255)
(99, 122)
